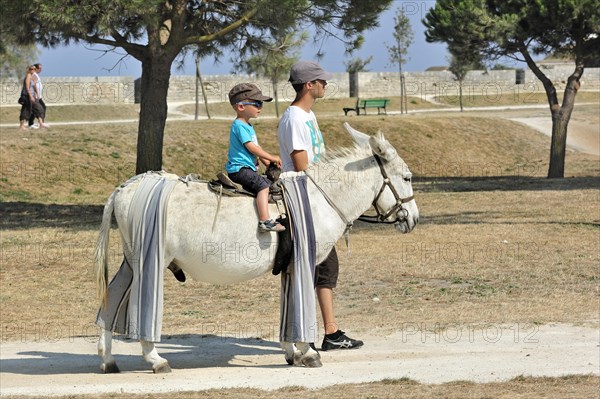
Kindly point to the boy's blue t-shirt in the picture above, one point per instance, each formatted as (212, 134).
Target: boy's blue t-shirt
(238, 156)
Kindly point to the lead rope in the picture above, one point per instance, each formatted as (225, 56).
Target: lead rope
(341, 215)
(218, 207)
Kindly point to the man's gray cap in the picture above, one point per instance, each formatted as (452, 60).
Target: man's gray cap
(307, 71)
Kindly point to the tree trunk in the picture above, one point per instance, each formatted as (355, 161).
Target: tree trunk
(156, 72)
(460, 94)
(558, 145)
(560, 121)
(401, 88)
(275, 97)
(561, 114)
(197, 81)
(204, 96)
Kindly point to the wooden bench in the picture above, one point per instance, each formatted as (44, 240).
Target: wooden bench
(379, 103)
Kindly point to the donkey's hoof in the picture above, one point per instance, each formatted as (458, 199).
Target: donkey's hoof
(294, 359)
(109, 368)
(290, 359)
(162, 368)
(312, 360)
(298, 358)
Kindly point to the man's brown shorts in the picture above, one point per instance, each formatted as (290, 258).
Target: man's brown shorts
(327, 271)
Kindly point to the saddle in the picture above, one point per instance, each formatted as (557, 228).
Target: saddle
(223, 185)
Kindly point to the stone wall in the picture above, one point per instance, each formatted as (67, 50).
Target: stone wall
(107, 90)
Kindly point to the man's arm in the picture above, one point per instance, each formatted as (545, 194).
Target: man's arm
(300, 160)
(35, 86)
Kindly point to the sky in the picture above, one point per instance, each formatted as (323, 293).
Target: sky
(85, 60)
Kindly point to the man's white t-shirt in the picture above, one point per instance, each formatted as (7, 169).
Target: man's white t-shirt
(298, 130)
(38, 84)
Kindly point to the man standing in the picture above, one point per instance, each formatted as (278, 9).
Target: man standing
(37, 87)
(301, 144)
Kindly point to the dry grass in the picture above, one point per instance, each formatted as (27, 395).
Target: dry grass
(75, 113)
(327, 105)
(568, 387)
(79, 112)
(497, 243)
(494, 97)
(82, 164)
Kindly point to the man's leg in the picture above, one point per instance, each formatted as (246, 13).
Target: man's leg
(326, 279)
(325, 296)
(31, 119)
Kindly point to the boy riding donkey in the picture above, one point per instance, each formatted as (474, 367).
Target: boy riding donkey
(244, 151)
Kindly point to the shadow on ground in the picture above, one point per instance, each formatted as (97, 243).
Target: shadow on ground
(503, 183)
(25, 215)
(186, 351)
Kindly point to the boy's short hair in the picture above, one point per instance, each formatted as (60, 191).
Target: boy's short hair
(246, 91)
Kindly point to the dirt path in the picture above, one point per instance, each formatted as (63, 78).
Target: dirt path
(495, 353)
(583, 136)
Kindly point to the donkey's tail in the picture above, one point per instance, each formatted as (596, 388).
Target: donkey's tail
(101, 254)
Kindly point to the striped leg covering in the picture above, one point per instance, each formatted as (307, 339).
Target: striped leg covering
(135, 294)
(298, 320)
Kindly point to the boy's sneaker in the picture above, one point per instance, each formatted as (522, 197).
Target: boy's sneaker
(339, 340)
(270, 225)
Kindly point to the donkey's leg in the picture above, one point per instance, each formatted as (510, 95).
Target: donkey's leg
(292, 355)
(177, 272)
(159, 364)
(301, 354)
(108, 364)
(310, 357)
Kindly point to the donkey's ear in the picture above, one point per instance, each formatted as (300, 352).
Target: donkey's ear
(358, 137)
(382, 147)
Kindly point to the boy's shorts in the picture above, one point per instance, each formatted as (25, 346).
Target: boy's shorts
(327, 271)
(250, 180)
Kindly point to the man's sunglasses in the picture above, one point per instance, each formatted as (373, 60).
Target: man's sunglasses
(323, 82)
(257, 104)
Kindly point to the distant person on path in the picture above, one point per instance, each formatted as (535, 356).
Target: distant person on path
(27, 99)
(37, 85)
(244, 151)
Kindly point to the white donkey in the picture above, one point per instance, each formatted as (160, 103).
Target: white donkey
(344, 185)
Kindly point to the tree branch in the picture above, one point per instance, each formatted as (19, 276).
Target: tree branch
(207, 38)
(135, 50)
(548, 85)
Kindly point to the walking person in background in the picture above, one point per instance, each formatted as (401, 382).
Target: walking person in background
(27, 98)
(37, 87)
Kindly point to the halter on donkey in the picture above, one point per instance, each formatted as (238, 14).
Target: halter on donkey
(344, 185)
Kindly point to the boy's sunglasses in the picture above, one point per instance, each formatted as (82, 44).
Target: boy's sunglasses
(257, 104)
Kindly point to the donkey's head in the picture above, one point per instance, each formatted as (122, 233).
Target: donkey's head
(394, 201)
